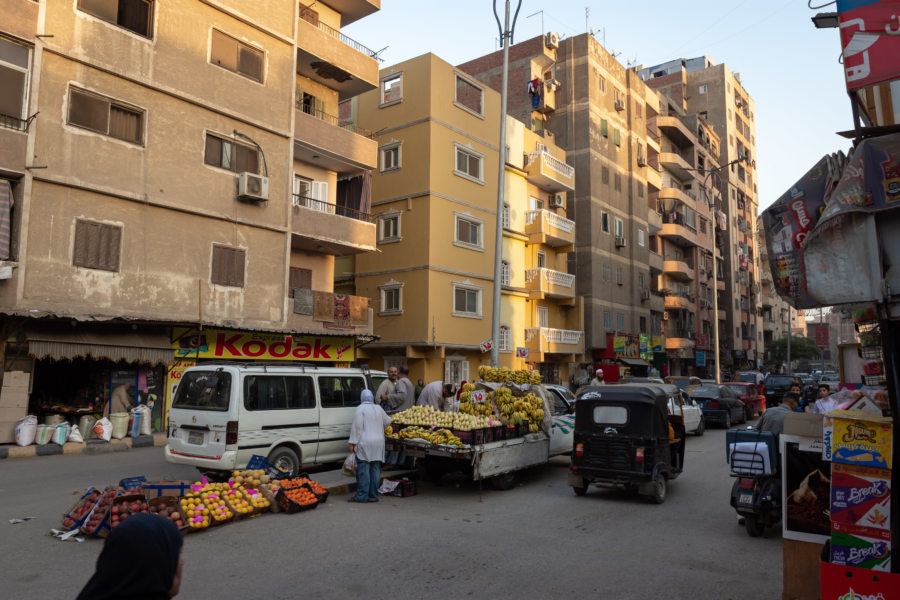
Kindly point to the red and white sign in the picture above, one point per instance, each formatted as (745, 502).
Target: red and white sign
(487, 345)
(521, 352)
(870, 41)
(478, 397)
(822, 335)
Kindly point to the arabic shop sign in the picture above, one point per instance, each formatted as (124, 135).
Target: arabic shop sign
(231, 344)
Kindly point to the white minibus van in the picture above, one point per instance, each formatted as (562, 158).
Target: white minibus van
(295, 415)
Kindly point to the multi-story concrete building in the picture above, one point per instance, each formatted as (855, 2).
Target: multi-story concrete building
(575, 93)
(715, 94)
(180, 188)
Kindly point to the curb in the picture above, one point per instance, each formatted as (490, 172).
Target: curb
(90, 447)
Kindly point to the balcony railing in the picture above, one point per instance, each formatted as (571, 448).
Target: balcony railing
(333, 120)
(11, 122)
(687, 220)
(551, 218)
(550, 276)
(554, 336)
(561, 167)
(330, 208)
(313, 20)
(652, 131)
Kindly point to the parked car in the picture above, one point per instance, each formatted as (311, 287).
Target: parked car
(749, 377)
(748, 393)
(776, 386)
(831, 379)
(683, 380)
(561, 391)
(719, 405)
(681, 404)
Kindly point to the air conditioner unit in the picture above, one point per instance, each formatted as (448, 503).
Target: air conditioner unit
(551, 40)
(620, 241)
(253, 187)
(665, 315)
(620, 104)
(645, 294)
(557, 200)
(641, 160)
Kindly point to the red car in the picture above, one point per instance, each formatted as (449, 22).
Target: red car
(749, 395)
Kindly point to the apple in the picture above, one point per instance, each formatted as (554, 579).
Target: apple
(179, 523)
(176, 515)
(115, 510)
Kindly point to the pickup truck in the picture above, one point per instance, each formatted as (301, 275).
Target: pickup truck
(498, 461)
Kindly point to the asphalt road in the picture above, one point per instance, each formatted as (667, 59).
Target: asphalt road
(536, 541)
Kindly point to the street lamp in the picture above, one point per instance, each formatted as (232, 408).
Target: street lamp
(506, 36)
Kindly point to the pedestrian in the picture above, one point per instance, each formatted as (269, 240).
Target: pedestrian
(420, 385)
(367, 443)
(773, 419)
(435, 394)
(141, 558)
(403, 394)
(122, 399)
(388, 386)
(598, 377)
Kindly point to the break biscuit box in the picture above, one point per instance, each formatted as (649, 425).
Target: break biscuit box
(857, 438)
(861, 496)
(860, 547)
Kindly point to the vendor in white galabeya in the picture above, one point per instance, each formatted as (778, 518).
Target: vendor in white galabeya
(598, 377)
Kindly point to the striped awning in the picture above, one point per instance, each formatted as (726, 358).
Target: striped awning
(132, 347)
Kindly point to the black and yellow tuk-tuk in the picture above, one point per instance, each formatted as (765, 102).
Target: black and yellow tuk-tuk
(624, 435)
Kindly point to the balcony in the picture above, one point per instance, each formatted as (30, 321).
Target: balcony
(670, 193)
(654, 178)
(315, 318)
(548, 172)
(329, 57)
(545, 340)
(720, 285)
(548, 228)
(320, 140)
(657, 301)
(769, 325)
(547, 283)
(656, 262)
(677, 165)
(654, 221)
(678, 269)
(675, 129)
(721, 315)
(326, 228)
(653, 133)
(677, 231)
(676, 302)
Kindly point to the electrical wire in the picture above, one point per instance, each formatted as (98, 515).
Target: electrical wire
(811, 7)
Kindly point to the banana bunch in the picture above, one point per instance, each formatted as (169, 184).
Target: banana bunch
(521, 376)
(483, 409)
(439, 436)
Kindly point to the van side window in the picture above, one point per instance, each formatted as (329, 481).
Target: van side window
(301, 393)
(343, 391)
(264, 393)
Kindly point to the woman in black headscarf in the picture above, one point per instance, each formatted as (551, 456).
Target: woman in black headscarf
(141, 560)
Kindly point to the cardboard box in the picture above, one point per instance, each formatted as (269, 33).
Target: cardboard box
(866, 405)
(803, 424)
(860, 547)
(861, 496)
(845, 583)
(13, 414)
(13, 398)
(857, 438)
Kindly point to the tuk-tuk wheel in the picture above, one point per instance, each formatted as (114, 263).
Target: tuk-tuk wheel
(753, 526)
(581, 490)
(659, 488)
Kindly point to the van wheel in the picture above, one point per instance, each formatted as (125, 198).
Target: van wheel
(285, 459)
(659, 489)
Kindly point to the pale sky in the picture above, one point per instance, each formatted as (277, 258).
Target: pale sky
(789, 68)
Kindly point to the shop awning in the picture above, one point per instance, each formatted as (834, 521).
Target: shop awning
(152, 348)
(633, 362)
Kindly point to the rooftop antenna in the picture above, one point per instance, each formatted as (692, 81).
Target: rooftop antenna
(540, 12)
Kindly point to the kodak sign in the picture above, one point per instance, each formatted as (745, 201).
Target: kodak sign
(230, 344)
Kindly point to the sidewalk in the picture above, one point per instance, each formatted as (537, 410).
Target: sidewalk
(339, 484)
(89, 447)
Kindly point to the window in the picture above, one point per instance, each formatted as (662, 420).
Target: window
(105, 116)
(468, 164)
(643, 324)
(617, 139)
(604, 128)
(299, 278)
(341, 391)
(236, 56)
(505, 216)
(604, 175)
(14, 71)
(309, 15)
(390, 157)
(133, 15)
(602, 85)
(620, 227)
(469, 95)
(229, 154)
(703, 89)
(640, 281)
(620, 276)
(466, 301)
(620, 322)
(604, 222)
(389, 227)
(275, 392)
(203, 390)
(541, 259)
(391, 299)
(638, 109)
(543, 316)
(536, 203)
(227, 266)
(607, 320)
(617, 182)
(641, 239)
(640, 190)
(606, 271)
(468, 232)
(504, 344)
(391, 89)
(456, 370)
(505, 274)
(96, 245)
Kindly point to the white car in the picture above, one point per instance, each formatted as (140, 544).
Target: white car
(563, 432)
(831, 379)
(680, 403)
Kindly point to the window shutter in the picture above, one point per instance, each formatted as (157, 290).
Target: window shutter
(464, 371)
(238, 260)
(299, 278)
(213, 153)
(79, 254)
(250, 62)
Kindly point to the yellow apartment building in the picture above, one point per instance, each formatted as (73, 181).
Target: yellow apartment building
(176, 185)
(542, 316)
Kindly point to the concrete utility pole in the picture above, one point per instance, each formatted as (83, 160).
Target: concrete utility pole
(506, 36)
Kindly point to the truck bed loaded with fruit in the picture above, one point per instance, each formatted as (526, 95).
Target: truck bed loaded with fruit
(505, 423)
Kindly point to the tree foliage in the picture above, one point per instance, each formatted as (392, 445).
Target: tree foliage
(801, 349)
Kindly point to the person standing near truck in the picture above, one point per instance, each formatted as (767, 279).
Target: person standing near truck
(367, 442)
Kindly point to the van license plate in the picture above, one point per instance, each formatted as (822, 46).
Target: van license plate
(745, 498)
(195, 437)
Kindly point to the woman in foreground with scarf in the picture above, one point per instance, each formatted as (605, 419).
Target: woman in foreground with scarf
(367, 442)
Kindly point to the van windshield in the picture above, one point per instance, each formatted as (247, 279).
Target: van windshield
(203, 390)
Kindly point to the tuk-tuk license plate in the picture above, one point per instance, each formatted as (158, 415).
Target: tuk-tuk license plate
(195, 437)
(745, 498)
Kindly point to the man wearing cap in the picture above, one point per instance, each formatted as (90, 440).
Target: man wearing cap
(598, 377)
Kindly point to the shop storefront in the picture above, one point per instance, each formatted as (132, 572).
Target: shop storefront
(628, 353)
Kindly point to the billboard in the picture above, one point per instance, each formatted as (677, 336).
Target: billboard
(870, 41)
(249, 345)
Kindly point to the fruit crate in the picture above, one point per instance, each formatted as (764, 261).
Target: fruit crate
(291, 507)
(214, 522)
(405, 488)
(260, 463)
(133, 483)
(255, 510)
(323, 497)
(72, 522)
(270, 496)
(510, 432)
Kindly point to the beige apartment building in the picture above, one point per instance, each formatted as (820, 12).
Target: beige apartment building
(180, 187)
(577, 95)
(716, 95)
